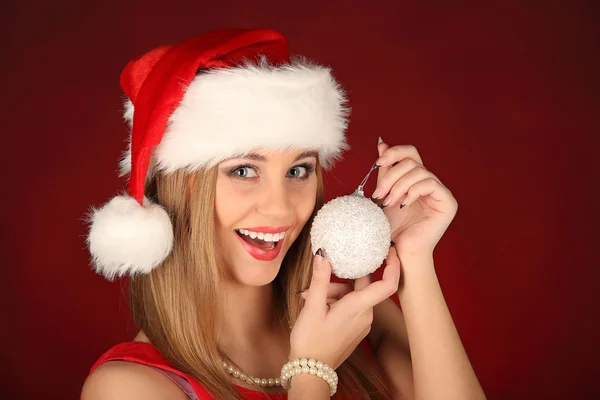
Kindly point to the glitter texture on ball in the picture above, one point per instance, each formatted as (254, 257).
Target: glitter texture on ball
(355, 234)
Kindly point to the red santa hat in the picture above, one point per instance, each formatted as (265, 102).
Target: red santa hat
(249, 94)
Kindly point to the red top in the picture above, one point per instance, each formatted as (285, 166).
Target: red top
(147, 354)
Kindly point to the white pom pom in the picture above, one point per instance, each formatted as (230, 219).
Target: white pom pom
(126, 238)
(355, 234)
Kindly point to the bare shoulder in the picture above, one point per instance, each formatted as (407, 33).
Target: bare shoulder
(116, 380)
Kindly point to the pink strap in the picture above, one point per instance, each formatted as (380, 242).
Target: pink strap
(181, 382)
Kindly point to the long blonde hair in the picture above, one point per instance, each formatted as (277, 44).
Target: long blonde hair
(176, 304)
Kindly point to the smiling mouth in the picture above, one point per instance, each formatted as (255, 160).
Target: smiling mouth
(265, 245)
(264, 249)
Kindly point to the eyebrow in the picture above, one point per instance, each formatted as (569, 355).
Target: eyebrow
(258, 157)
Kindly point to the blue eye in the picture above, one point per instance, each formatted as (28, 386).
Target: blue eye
(301, 171)
(306, 168)
(242, 172)
(295, 169)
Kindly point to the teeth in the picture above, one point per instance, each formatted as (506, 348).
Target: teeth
(267, 237)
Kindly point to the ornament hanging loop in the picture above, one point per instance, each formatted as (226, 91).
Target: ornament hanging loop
(359, 191)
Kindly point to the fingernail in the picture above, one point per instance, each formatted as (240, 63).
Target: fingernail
(379, 140)
(402, 205)
(319, 261)
(377, 193)
(380, 161)
(387, 201)
(382, 206)
(300, 293)
(375, 166)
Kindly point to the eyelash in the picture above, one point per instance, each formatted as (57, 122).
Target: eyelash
(310, 168)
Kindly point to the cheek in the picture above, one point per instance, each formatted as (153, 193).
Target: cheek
(304, 203)
(229, 204)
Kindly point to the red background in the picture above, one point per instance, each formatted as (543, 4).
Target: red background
(500, 99)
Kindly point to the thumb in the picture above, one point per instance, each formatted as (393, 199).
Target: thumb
(363, 282)
(381, 148)
(317, 295)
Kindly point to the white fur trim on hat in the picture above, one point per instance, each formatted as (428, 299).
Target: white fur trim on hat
(231, 111)
(126, 238)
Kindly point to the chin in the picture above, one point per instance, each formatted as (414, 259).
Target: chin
(256, 280)
(250, 272)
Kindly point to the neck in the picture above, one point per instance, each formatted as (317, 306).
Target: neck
(249, 317)
(249, 332)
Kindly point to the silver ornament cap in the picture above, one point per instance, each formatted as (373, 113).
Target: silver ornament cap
(355, 234)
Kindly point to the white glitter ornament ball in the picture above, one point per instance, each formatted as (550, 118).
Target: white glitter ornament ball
(355, 234)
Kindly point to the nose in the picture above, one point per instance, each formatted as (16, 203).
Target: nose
(276, 201)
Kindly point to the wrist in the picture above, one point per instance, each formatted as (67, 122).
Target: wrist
(415, 257)
(306, 355)
(415, 271)
(303, 368)
(307, 383)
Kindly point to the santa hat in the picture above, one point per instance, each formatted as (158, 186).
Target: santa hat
(249, 94)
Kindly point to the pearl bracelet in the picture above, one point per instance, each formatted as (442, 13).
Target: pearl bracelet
(304, 366)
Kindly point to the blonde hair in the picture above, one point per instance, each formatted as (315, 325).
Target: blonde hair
(176, 303)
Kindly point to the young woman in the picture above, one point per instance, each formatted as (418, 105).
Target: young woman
(229, 138)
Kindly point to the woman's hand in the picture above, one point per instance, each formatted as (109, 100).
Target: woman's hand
(329, 331)
(429, 206)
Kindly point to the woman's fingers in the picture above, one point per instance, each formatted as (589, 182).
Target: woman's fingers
(336, 290)
(331, 328)
(316, 300)
(393, 163)
(381, 148)
(377, 292)
(323, 293)
(330, 301)
(363, 282)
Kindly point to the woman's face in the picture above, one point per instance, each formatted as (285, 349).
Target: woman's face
(262, 203)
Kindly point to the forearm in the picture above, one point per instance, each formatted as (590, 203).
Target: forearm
(441, 368)
(308, 387)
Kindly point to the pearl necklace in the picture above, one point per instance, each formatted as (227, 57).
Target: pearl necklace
(250, 380)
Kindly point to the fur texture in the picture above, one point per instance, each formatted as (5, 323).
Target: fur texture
(232, 111)
(126, 238)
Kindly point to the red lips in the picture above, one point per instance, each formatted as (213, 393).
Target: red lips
(260, 254)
